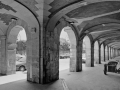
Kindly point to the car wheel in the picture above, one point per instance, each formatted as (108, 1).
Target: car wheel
(22, 68)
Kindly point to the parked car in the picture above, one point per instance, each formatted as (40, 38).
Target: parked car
(83, 60)
(64, 56)
(112, 66)
(83, 57)
(21, 64)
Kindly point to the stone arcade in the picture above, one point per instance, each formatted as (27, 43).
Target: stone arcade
(43, 21)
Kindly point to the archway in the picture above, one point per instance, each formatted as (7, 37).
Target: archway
(64, 51)
(15, 61)
(87, 43)
(31, 50)
(96, 52)
(70, 53)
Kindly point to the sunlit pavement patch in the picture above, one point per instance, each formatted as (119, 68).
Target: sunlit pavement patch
(13, 77)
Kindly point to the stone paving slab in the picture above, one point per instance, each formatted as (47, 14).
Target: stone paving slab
(91, 78)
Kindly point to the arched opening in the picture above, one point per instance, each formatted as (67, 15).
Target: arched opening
(68, 55)
(16, 51)
(64, 51)
(96, 52)
(87, 50)
(102, 53)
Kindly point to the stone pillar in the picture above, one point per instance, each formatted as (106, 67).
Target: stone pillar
(3, 61)
(96, 53)
(99, 54)
(104, 52)
(73, 58)
(111, 52)
(8, 57)
(79, 56)
(72, 39)
(34, 61)
(92, 55)
(11, 58)
(114, 52)
(51, 57)
(108, 52)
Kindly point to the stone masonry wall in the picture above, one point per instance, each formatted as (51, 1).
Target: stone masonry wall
(51, 59)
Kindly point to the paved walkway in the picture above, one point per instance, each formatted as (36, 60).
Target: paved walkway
(91, 78)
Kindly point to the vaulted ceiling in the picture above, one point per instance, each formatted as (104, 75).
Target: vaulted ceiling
(98, 18)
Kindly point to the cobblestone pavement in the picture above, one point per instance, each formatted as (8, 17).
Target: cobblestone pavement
(91, 78)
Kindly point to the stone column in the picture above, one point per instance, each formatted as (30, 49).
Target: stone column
(33, 57)
(92, 55)
(11, 58)
(114, 52)
(79, 56)
(3, 68)
(104, 52)
(99, 54)
(117, 52)
(73, 58)
(72, 39)
(108, 52)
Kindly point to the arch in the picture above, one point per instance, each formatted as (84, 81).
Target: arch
(87, 42)
(12, 33)
(52, 51)
(71, 31)
(96, 52)
(20, 24)
(57, 16)
(73, 43)
(54, 19)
